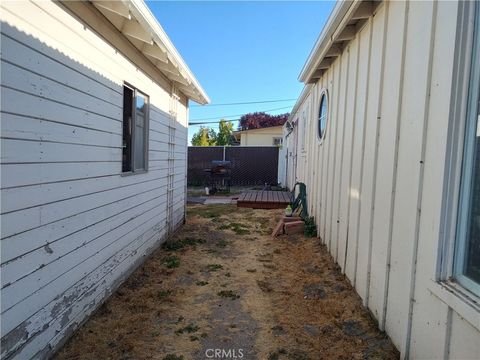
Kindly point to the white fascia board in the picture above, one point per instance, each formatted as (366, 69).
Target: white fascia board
(325, 39)
(144, 16)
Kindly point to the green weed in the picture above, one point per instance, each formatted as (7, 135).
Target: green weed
(214, 267)
(172, 262)
(228, 294)
(190, 328)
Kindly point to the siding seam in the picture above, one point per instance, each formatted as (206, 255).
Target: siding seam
(360, 185)
(395, 169)
(58, 62)
(375, 163)
(421, 184)
(358, 38)
(59, 102)
(335, 153)
(61, 83)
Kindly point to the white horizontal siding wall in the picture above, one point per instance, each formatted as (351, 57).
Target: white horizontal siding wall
(374, 184)
(72, 227)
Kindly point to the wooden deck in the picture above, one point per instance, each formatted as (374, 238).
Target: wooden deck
(264, 199)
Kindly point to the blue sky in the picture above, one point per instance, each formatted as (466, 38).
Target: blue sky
(243, 51)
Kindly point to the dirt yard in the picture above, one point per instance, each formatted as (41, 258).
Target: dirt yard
(224, 289)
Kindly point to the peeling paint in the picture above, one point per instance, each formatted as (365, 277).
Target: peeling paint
(48, 249)
(15, 337)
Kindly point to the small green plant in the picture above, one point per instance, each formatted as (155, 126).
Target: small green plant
(252, 270)
(173, 245)
(214, 267)
(288, 210)
(180, 244)
(172, 262)
(212, 211)
(201, 283)
(239, 229)
(228, 274)
(194, 338)
(228, 294)
(310, 227)
(190, 328)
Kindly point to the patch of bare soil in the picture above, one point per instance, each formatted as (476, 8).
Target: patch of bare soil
(222, 288)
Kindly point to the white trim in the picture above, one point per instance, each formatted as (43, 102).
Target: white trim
(463, 293)
(464, 303)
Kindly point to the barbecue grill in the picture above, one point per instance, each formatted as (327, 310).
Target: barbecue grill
(220, 175)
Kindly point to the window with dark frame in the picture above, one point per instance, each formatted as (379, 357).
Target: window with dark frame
(135, 131)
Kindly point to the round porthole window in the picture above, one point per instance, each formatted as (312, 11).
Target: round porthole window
(322, 116)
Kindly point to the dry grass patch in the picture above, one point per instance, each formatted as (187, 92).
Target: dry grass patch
(213, 286)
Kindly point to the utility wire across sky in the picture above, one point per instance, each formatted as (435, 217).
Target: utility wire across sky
(242, 103)
(212, 122)
(227, 116)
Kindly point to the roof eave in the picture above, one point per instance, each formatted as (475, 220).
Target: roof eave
(135, 20)
(341, 27)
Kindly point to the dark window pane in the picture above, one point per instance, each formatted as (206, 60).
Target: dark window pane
(127, 129)
(322, 116)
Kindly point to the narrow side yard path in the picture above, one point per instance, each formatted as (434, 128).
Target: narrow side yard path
(224, 289)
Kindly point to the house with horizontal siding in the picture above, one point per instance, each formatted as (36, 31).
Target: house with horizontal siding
(385, 137)
(94, 119)
(264, 136)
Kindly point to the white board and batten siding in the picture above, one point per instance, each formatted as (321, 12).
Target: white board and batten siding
(72, 226)
(375, 182)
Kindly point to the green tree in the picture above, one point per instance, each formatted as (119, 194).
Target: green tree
(205, 136)
(225, 133)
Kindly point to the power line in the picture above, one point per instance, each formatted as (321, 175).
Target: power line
(242, 103)
(226, 116)
(211, 122)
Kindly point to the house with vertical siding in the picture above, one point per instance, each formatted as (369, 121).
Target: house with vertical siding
(94, 119)
(385, 137)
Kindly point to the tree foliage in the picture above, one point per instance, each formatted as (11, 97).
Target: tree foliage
(258, 120)
(204, 137)
(225, 133)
